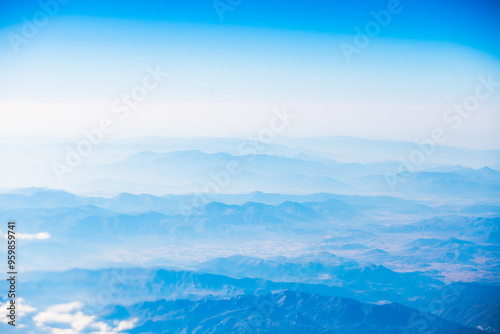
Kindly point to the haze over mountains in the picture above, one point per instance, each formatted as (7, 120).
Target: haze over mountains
(249, 167)
(293, 238)
(288, 165)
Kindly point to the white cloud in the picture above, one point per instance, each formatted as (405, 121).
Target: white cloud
(126, 324)
(70, 314)
(61, 314)
(22, 308)
(26, 236)
(37, 236)
(65, 308)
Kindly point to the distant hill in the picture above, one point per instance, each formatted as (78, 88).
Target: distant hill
(284, 312)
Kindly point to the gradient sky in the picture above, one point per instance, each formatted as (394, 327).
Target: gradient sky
(227, 74)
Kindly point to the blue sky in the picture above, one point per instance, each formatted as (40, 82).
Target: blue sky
(270, 52)
(468, 23)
